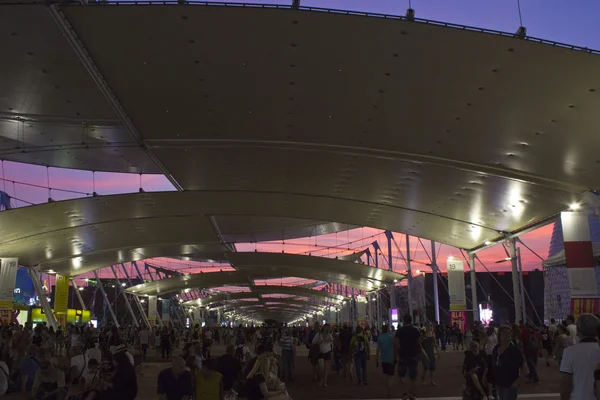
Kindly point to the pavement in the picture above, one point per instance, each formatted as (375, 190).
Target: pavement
(448, 378)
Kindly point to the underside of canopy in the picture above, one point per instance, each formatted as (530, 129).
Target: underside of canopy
(296, 123)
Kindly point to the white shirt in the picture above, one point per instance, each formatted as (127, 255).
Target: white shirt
(80, 362)
(130, 357)
(144, 337)
(490, 343)
(326, 341)
(3, 378)
(580, 361)
(573, 332)
(94, 353)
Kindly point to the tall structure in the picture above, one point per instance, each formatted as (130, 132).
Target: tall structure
(557, 297)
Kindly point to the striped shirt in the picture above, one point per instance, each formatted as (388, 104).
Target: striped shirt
(286, 342)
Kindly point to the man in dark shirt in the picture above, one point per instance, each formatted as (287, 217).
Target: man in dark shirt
(230, 367)
(175, 383)
(408, 347)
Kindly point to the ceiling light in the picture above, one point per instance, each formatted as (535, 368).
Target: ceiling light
(51, 271)
(507, 259)
(487, 242)
(80, 288)
(574, 206)
(395, 280)
(123, 284)
(450, 257)
(418, 271)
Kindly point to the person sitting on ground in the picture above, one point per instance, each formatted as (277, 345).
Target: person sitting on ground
(256, 385)
(49, 383)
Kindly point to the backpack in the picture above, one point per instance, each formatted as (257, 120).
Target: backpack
(532, 342)
(361, 346)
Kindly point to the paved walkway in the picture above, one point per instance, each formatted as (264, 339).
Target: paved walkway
(448, 379)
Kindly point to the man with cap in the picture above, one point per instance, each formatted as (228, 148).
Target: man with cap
(120, 349)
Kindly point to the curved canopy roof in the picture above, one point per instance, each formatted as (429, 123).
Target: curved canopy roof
(257, 292)
(443, 134)
(251, 266)
(458, 151)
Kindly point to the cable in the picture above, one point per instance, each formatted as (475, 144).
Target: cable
(520, 16)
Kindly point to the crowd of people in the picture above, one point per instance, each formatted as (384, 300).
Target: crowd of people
(84, 363)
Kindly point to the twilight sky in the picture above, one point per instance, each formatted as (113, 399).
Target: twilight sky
(573, 22)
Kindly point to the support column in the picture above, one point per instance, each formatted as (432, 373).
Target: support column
(410, 278)
(436, 295)
(77, 294)
(37, 286)
(474, 288)
(515, 279)
(106, 301)
(389, 236)
(127, 304)
(521, 287)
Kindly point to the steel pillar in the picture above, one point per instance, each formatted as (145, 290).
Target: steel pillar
(37, 286)
(106, 301)
(523, 302)
(410, 277)
(127, 304)
(436, 295)
(515, 279)
(77, 294)
(474, 301)
(393, 302)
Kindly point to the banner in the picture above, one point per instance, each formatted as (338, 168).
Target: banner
(456, 285)
(459, 318)
(61, 294)
(152, 311)
(8, 277)
(166, 310)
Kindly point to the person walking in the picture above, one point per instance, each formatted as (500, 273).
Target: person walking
(386, 355)
(144, 337)
(286, 342)
(408, 347)
(531, 349)
(324, 340)
(361, 351)
(509, 366)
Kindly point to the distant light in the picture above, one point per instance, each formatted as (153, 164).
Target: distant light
(142, 300)
(450, 257)
(123, 284)
(507, 259)
(574, 206)
(487, 242)
(86, 279)
(418, 271)
(395, 280)
(80, 289)
(51, 271)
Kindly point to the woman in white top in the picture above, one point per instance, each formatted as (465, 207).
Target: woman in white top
(325, 341)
